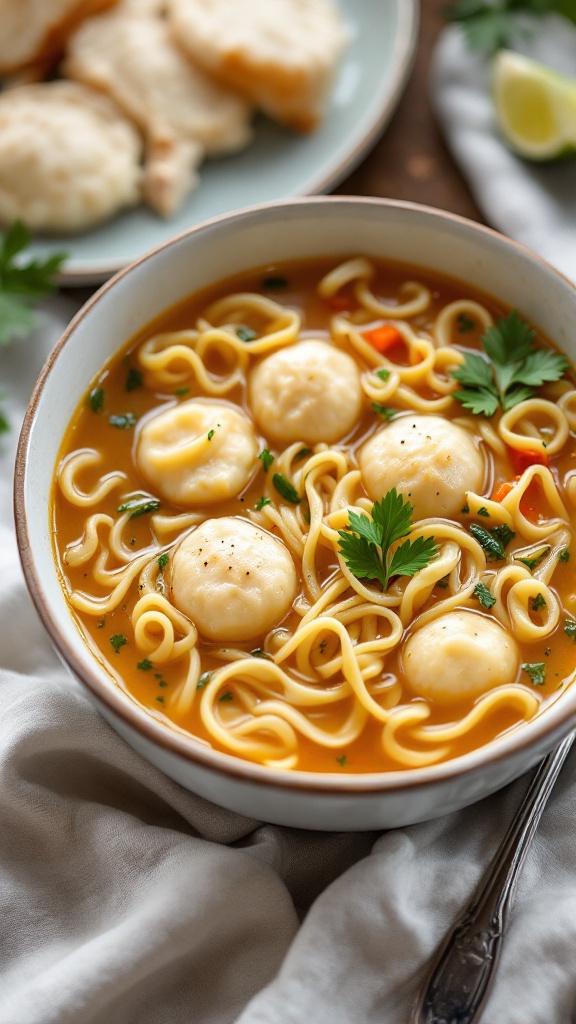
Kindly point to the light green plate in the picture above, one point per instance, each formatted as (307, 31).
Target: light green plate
(278, 163)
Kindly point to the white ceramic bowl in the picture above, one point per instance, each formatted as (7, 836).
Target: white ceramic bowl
(211, 252)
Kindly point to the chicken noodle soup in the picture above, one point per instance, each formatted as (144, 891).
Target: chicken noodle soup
(321, 518)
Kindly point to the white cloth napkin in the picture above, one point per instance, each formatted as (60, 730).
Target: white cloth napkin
(534, 203)
(125, 899)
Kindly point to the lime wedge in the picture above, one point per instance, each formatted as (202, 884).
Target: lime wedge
(535, 107)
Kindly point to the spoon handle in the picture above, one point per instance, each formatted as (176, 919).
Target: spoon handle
(459, 981)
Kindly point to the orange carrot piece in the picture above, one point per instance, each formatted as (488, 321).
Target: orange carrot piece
(384, 337)
(501, 490)
(521, 460)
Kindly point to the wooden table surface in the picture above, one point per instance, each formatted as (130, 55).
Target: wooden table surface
(411, 160)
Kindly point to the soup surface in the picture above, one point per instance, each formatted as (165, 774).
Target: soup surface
(321, 517)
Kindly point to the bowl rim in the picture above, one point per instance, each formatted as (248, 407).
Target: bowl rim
(557, 719)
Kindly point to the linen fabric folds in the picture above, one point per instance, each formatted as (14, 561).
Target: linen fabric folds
(124, 899)
(531, 202)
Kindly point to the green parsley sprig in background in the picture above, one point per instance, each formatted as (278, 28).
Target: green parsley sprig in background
(514, 370)
(492, 24)
(366, 546)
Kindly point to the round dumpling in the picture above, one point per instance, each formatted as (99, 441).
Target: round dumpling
(197, 452)
(233, 580)
(68, 157)
(429, 460)
(459, 656)
(307, 392)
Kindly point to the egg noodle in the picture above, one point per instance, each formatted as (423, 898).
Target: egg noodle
(329, 677)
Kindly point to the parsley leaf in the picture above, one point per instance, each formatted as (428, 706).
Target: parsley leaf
(386, 411)
(139, 506)
(266, 458)
(570, 629)
(123, 422)
(493, 541)
(490, 25)
(118, 641)
(514, 371)
(285, 489)
(21, 283)
(536, 670)
(484, 596)
(530, 563)
(365, 546)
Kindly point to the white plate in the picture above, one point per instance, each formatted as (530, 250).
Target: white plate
(278, 163)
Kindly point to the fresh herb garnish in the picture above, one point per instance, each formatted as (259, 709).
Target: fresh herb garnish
(570, 629)
(531, 563)
(134, 379)
(118, 641)
(123, 422)
(493, 541)
(465, 323)
(514, 371)
(484, 596)
(365, 547)
(538, 602)
(536, 670)
(564, 556)
(490, 26)
(163, 560)
(383, 374)
(303, 453)
(342, 761)
(96, 399)
(246, 333)
(145, 665)
(22, 283)
(266, 458)
(465, 510)
(259, 652)
(226, 696)
(285, 489)
(204, 678)
(275, 281)
(386, 411)
(483, 512)
(139, 506)
(210, 434)
(180, 392)
(261, 503)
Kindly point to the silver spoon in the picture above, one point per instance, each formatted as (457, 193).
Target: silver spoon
(464, 967)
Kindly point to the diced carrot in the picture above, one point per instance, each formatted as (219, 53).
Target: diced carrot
(501, 490)
(521, 460)
(383, 338)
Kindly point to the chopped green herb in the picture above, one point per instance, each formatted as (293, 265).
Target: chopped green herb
(365, 547)
(503, 533)
(493, 541)
(145, 665)
(548, 651)
(465, 510)
(465, 323)
(266, 458)
(160, 700)
(484, 512)
(274, 281)
(564, 556)
(515, 368)
(570, 629)
(180, 392)
(261, 503)
(342, 761)
(123, 422)
(118, 641)
(102, 622)
(204, 678)
(139, 506)
(211, 434)
(163, 560)
(22, 283)
(443, 583)
(484, 596)
(386, 411)
(537, 672)
(96, 399)
(246, 333)
(383, 374)
(259, 652)
(531, 563)
(134, 379)
(162, 683)
(489, 26)
(285, 489)
(303, 453)
(226, 696)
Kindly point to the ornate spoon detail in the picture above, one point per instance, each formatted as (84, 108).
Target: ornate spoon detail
(461, 975)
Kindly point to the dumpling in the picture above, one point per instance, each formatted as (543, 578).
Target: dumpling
(307, 392)
(34, 31)
(68, 157)
(183, 114)
(233, 580)
(281, 54)
(458, 657)
(197, 452)
(429, 460)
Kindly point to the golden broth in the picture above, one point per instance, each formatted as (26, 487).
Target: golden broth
(126, 391)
